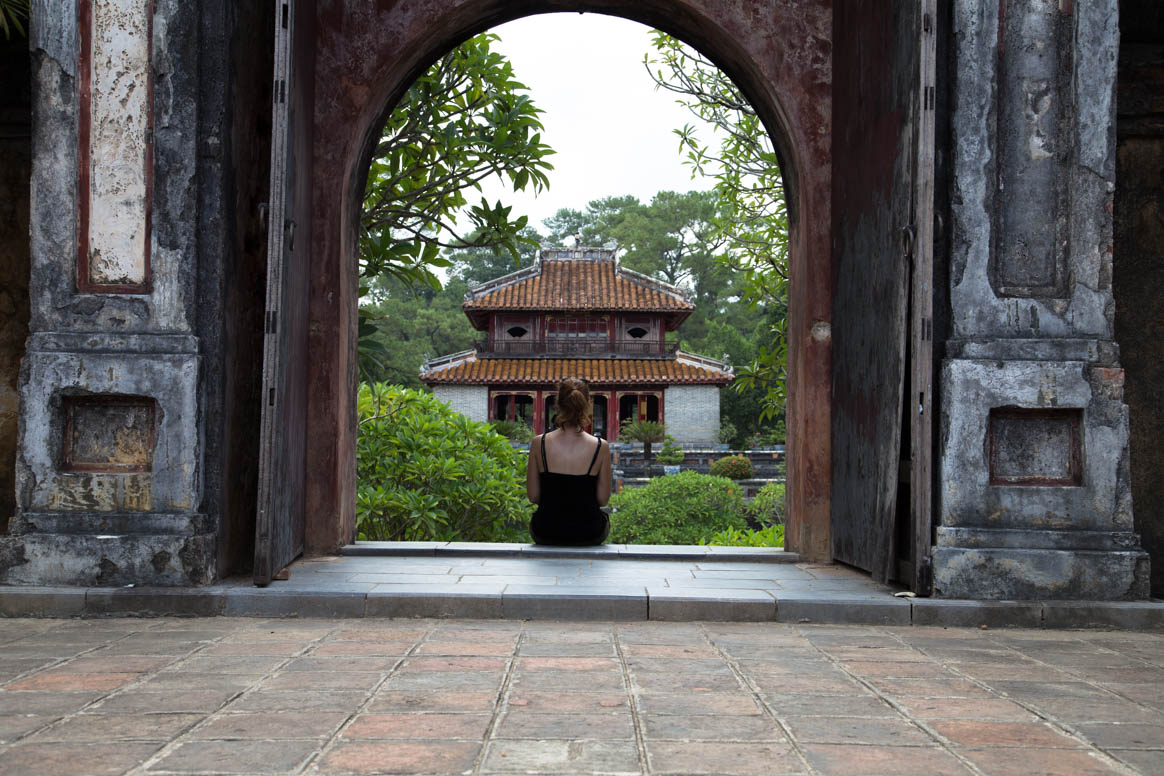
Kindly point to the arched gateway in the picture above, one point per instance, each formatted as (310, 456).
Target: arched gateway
(141, 446)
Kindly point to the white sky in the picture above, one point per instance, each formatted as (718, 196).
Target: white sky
(609, 126)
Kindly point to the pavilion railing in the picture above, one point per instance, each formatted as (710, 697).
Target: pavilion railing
(574, 346)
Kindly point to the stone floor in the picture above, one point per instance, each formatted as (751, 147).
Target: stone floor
(327, 696)
(614, 582)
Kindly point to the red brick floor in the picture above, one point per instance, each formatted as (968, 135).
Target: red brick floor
(205, 696)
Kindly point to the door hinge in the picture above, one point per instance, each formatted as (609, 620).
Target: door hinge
(927, 23)
(272, 321)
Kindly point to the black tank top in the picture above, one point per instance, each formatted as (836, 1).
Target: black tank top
(568, 512)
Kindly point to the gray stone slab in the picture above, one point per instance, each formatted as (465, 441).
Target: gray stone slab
(995, 614)
(273, 602)
(1129, 615)
(21, 601)
(491, 549)
(520, 602)
(702, 604)
(754, 554)
(599, 551)
(402, 578)
(669, 551)
(466, 601)
(391, 548)
(197, 602)
(848, 611)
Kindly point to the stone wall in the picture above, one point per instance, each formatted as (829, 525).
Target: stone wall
(110, 466)
(1034, 498)
(691, 413)
(15, 168)
(472, 401)
(1139, 261)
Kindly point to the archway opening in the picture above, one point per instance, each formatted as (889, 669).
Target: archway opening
(687, 250)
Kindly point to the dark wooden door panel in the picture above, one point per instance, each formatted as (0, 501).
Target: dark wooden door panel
(877, 105)
(279, 523)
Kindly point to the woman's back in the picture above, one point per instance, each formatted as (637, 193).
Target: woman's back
(568, 510)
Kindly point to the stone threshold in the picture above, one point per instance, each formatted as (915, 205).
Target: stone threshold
(310, 593)
(688, 552)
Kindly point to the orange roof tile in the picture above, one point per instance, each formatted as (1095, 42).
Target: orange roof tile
(468, 369)
(577, 284)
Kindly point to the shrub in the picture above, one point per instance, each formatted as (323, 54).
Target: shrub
(727, 432)
(645, 431)
(426, 473)
(513, 430)
(670, 452)
(767, 508)
(681, 509)
(772, 536)
(734, 467)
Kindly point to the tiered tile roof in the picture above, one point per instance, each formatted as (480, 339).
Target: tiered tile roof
(467, 369)
(576, 281)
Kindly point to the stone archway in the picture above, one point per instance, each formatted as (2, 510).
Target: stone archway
(367, 55)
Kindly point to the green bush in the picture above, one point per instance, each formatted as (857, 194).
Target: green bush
(670, 453)
(767, 508)
(426, 473)
(513, 430)
(772, 536)
(734, 467)
(680, 509)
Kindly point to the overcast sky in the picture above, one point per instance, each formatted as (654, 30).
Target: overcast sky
(609, 126)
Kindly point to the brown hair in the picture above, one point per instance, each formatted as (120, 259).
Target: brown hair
(574, 405)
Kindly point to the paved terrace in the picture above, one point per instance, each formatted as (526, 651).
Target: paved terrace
(329, 696)
(613, 582)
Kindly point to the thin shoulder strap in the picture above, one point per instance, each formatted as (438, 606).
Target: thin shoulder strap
(545, 466)
(597, 450)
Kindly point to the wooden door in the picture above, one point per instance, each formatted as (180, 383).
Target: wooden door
(882, 226)
(279, 522)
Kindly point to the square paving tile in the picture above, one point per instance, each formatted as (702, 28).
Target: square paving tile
(574, 757)
(14, 726)
(414, 725)
(607, 726)
(270, 725)
(1005, 761)
(566, 681)
(879, 731)
(856, 760)
(118, 727)
(67, 759)
(852, 705)
(711, 727)
(745, 759)
(1124, 735)
(974, 733)
(208, 757)
(728, 704)
(429, 757)
(433, 701)
(996, 709)
(44, 702)
(595, 702)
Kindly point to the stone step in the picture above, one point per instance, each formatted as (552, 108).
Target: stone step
(693, 553)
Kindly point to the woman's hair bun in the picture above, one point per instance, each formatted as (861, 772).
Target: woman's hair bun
(574, 405)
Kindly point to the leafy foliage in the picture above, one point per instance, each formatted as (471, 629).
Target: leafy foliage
(13, 17)
(680, 509)
(513, 430)
(734, 467)
(670, 453)
(464, 120)
(646, 431)
(772, 536)
(752, 216)
(426, 473)
(767, 507)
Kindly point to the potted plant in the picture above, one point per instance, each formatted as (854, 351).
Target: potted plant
(671, 455)
(645, 431)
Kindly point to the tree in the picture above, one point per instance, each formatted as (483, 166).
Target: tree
(13, 17)
(645, 431)
(597, 225)
(481, 264)
(751, 210)
(464, 120)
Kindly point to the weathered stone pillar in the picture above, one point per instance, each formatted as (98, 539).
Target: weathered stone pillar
(1034, 499)
(109, 469)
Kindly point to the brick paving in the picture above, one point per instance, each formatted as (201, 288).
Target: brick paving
(334, 696)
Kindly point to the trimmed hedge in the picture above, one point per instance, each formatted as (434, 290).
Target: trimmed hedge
(684, 508)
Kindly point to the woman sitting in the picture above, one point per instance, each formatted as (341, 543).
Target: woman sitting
(568, 476)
